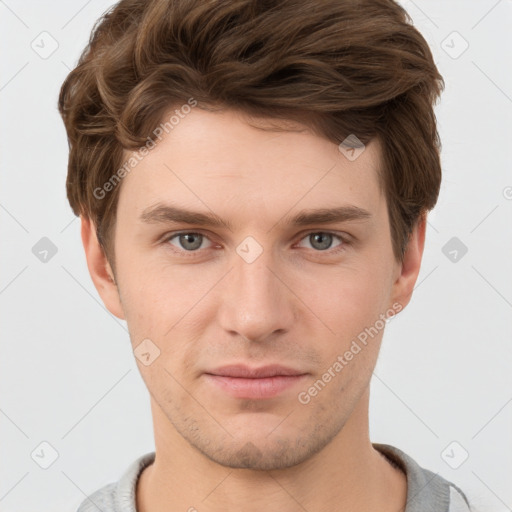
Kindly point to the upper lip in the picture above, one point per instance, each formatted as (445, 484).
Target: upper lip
(243, 371)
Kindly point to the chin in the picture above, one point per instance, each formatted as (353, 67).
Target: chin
(264, 456)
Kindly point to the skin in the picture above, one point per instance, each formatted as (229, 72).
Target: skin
(296, 305)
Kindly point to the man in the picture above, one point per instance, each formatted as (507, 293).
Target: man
(253, 180)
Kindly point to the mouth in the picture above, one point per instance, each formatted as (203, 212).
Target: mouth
(240, 381)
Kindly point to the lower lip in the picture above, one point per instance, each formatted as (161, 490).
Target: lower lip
(261, 388)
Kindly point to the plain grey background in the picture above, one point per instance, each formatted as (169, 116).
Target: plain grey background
(72, 398)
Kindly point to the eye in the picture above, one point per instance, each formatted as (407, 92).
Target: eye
(191, 242)
(188, 241)
(322, 241)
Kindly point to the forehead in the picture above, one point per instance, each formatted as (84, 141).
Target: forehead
(216, 159)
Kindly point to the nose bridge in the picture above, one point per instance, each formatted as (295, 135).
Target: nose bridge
(254, 278)
(256, 302)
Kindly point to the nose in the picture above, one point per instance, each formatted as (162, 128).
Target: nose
(256, 303)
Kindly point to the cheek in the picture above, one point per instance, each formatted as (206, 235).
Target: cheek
(164, 304)
(348, 300)
(146, 299)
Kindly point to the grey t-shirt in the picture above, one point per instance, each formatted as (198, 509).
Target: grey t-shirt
(426, 491)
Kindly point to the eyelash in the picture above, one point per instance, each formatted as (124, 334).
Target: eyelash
(342, 247)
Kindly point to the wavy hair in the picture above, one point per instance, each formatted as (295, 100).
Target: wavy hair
(339, 66)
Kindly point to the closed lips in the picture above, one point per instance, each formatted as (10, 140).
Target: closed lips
(246, 372)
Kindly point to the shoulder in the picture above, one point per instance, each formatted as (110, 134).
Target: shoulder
(103, 499)
(118, 496)
(426, 491)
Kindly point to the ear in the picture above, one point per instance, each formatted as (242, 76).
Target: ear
(407, 272)
(100, 269)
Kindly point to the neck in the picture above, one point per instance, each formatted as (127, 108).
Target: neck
(348, 474)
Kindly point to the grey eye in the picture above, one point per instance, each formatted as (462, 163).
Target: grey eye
(189, 241)
(323, 240)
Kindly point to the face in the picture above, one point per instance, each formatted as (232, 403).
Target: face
(259, 287)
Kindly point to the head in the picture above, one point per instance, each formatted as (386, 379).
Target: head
(245, 112)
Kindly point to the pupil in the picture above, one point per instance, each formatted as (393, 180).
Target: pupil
(187, 240)
(320, 236)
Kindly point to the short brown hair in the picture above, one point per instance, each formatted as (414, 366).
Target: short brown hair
(341, 67)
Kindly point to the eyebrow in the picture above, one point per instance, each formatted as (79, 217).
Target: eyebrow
(166, 213)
